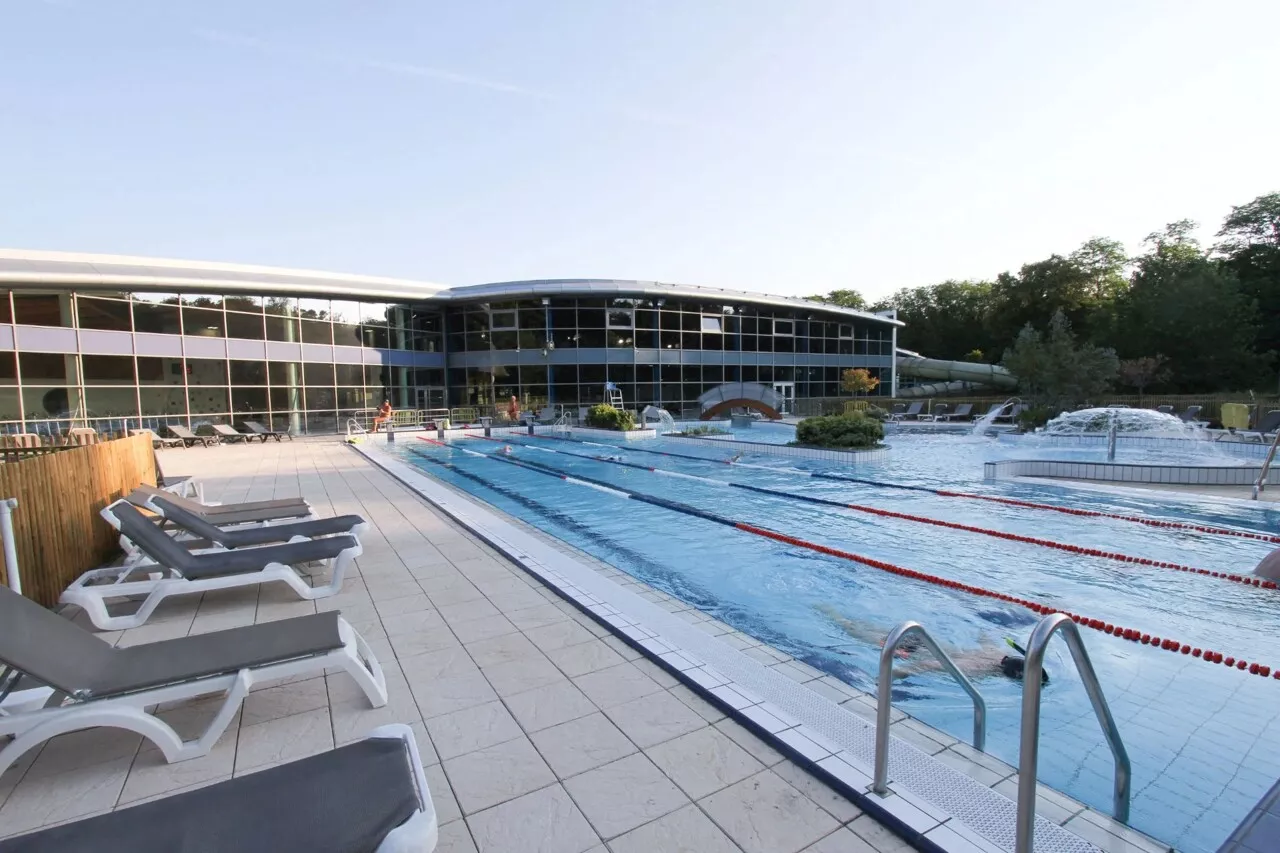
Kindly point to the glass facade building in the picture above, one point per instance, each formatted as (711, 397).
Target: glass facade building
(129, 342)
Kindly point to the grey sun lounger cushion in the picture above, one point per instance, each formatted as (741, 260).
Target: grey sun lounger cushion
(249, 536)
(341, 801)
(267, 432)
(189, 438)
(229, 434)
(63, 655)
(226, 513)
(168, 552)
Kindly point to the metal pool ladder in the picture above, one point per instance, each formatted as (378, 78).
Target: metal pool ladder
(1261, 482)
(880, 784)
(1029, 748)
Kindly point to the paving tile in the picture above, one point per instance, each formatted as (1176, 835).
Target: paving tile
(821, 793)
(264, 705)
(455, 837)
(151, 775)
(482, 628)
(874, 833)
(81, 749)
(410, 622)
(448, 662)
(535, 616)
(584, 657)
(545, 821)
(615, 685)
(284, 739)
(624, 794)
(704, 761)
(353, 717)
(687, 830)
(549, 705)
(764, 814)
(467, 610)
(841, 841)
(654, 718)
(471, 728)
(420, 642)
(411, 603)
(63, 796)
(442, 794)
(504, 649)
(521, 675)
(559, 635)
(582, 744)
(697, 704)
(760, 750)
(486, 777)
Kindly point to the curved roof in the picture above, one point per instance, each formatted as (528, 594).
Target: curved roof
(121, 272)
(85, 271)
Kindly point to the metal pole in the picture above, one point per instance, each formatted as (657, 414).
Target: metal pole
(7, 506)
(1028, 752)
(1111, 440)
(880, 784)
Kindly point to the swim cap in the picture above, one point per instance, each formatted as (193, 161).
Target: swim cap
(1013, 667)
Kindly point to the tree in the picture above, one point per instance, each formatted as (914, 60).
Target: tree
(1253, 224)
(1251, 251)
(858, 380)
(1102, 260)
(944, 320)
(1056, 370)
(974, 355)
(844, 298)
(1141, 372)
(1039, 289)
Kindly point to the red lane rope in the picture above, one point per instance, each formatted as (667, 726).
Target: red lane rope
(1131, 634)
(1089, 513)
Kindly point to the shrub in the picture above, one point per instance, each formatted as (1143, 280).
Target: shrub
(604, 416)
(1036, 417)
(704, 430)
(854, 430)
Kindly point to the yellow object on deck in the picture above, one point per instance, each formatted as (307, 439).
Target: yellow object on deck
(852, 406)
(1235, 415)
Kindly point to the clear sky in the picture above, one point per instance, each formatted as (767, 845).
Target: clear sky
(789, 147)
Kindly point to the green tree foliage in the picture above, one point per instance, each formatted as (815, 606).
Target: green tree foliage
(944, 320)
(1142, 372)
(844, 298)
(1251, 251)
(1056, 370)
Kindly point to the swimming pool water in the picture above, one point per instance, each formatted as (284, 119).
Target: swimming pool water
(1204, 740)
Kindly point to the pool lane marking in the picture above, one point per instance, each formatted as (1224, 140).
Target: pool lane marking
(948, 493)
(1131, 634)
(921, 519)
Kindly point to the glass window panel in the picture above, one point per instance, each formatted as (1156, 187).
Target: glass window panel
(286, 399)
(565, 338)
(160, 371)
(646, 319)
(281, 305)
(239, 302)
(477, 342)
(591, 374)
(357, 398)
(846, 331)
(620, 319)
(669, 340)
(533, 318)
(206, 371)
(8, 368)
(320, 373)
(375, 374)
(346, 374)
(248, 326)
(711, 324)
(111, 402)
(506, 340)
(6, 313)
(42, 309)
(349, 334)
(43, 367)
(163, 401)
(783, 327)
(203, 322)
(202, 300)
(426, 343)
(376, 337)
(668, 320)
(591, 337)
(313, 309)
(691, 322)
(107, 369)
(282, 329)
(207, 400)
(249, 399)
(9, 409)
(345, 312)
(317, 332)
(43, 402)
(620, 339)
(502, 320)
(248, 372)
(783, 343)
(427, 321)
(529, 339)
(375, 313)
(320, 398)
(713, 342)
(691, 340)
(284, 372)
(156, 318)
(591, 318)
(110, 314)
(563, 318)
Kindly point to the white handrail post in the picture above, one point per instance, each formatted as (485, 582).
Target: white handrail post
(7, 506)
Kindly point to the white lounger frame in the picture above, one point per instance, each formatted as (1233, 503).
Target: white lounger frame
(421, 832)
(33, 726)
(88, 593)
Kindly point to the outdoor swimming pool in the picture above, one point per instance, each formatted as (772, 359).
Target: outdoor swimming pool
(1204, 739)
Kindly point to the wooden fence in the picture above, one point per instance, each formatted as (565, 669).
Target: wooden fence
(59, 533)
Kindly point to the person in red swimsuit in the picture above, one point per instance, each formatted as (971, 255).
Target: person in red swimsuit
(383, 416)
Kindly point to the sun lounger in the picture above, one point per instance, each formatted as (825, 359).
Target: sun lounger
(247, 537)
(964, 411)
(370, 795)
(912, 411)
(99, 685)
(250, 512)
(156, 439)
(175, 570)
(229, 435)
(266, 432)
(189, 438)
(1266, 427)
(1165, 410)
(1191, 414)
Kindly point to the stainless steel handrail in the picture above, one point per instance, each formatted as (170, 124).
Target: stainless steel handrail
(1028, 753)
(896, 636)
(1261, 482)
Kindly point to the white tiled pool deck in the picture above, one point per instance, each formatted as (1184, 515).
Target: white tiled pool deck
(543, 731)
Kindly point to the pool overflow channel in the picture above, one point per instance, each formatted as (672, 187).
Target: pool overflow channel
(1024, 830)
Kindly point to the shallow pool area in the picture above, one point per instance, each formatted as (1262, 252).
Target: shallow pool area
(1203, 738)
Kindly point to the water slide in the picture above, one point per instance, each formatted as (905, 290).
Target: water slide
(957, 377)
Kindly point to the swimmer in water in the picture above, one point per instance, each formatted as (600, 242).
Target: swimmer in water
(734, 458)
(990, 658)
(506, 450)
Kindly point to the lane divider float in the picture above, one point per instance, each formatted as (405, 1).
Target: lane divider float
(1130, 634)
(921, 519)
(949, 493)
